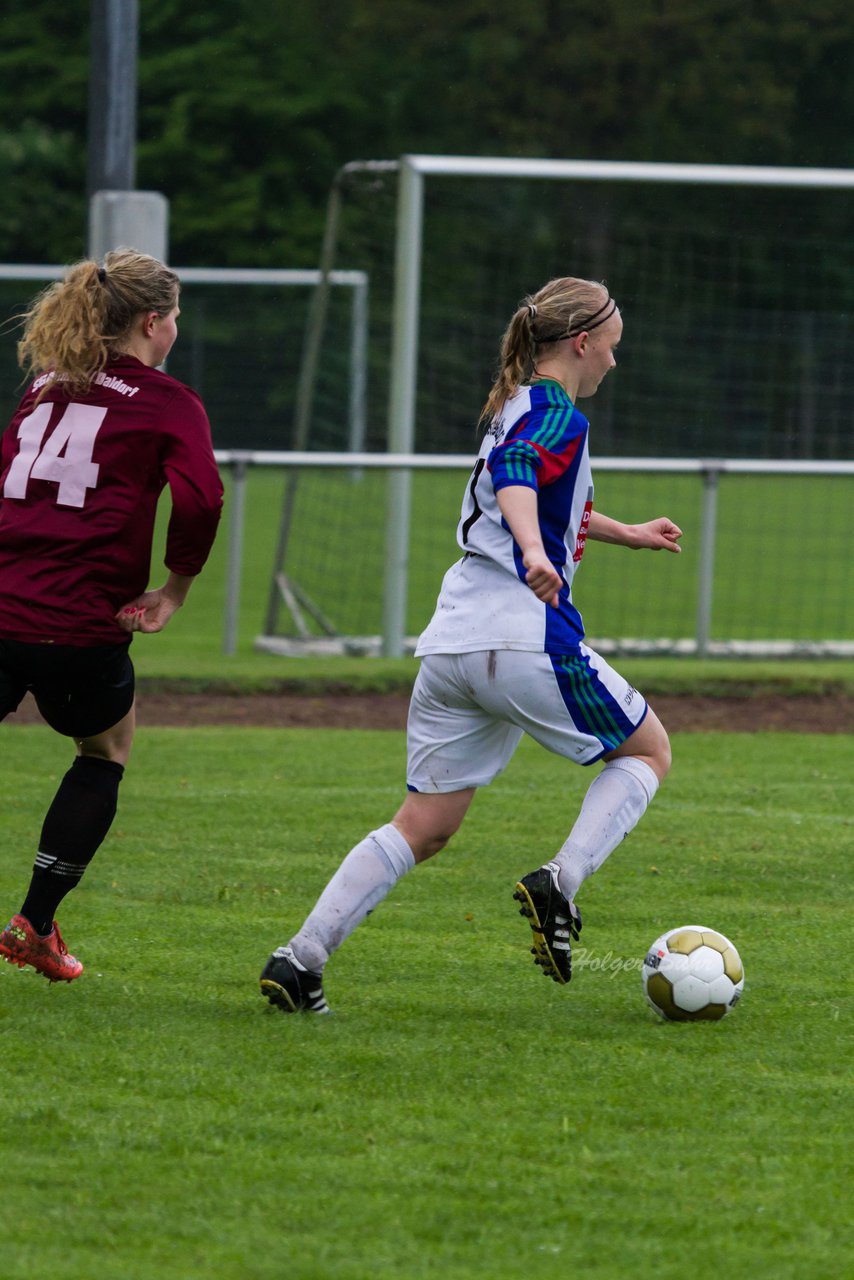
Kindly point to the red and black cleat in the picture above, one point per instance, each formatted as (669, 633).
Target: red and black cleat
(21, 945)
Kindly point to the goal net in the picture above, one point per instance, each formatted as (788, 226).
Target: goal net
(737, 292)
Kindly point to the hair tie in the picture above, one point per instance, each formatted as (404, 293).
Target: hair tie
(102, 276)
(604, 313)
(532, 310)
(583, 326)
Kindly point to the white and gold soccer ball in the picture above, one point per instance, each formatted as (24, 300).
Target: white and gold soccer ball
(692, 974)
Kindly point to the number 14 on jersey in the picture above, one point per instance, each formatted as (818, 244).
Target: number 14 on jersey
(65, 457)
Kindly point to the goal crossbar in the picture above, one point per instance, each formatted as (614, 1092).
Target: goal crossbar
(632, 171)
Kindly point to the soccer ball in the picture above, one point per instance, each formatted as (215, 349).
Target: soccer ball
(692, 974)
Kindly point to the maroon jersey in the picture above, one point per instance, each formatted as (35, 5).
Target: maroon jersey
(79, 482)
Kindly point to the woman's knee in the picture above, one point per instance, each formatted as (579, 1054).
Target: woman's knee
(656, 746)
(113, 744)
(430, 845)
(663, 757)
(649, 743)
(427, 822)
(425, 841)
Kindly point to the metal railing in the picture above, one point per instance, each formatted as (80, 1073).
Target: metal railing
(393, 640)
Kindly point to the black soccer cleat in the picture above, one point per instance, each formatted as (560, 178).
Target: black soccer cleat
(553, 920)
(291, 987)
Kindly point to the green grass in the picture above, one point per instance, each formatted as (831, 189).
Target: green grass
(459, 1116)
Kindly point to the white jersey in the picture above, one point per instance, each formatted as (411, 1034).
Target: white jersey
(538, 440)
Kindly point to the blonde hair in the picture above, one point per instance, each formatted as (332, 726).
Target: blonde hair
(79, 323)
(562, 308)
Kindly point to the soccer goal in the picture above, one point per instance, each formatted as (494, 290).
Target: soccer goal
(241, 326)
(736, 286)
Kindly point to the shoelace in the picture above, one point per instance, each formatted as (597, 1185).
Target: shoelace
(561, 917)
(60, 945)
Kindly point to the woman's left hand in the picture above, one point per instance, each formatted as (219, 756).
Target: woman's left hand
(148, 613)
(656, 535)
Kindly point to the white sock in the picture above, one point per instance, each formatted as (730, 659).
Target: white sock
(616, 800)
(366, 875)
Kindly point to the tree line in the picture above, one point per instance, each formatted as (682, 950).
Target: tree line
(247, 111)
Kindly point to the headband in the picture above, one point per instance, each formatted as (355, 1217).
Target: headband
(593, 322)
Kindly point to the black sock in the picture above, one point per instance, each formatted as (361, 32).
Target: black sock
(75, 825)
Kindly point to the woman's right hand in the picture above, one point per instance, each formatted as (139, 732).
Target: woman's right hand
(518, 505)
(542, 577)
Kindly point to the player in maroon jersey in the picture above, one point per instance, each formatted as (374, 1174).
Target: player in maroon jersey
(98, 435)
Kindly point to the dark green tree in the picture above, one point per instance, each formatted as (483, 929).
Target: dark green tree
(247, 111)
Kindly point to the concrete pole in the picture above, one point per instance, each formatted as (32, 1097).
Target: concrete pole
(112, 96)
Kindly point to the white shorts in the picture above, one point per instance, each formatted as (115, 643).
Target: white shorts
(469, 710)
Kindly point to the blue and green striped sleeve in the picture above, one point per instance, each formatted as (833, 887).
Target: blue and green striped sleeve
(514, 463)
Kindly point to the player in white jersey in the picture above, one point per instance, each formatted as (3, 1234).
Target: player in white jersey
(504, 653)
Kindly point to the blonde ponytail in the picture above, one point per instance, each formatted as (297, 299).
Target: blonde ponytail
(79, 323)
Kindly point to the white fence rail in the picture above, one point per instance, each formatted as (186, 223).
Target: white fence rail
(393, 640)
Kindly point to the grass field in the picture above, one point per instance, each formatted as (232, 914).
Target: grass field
(459, 1116)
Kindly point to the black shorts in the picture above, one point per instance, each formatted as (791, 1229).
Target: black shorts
(79, 691)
